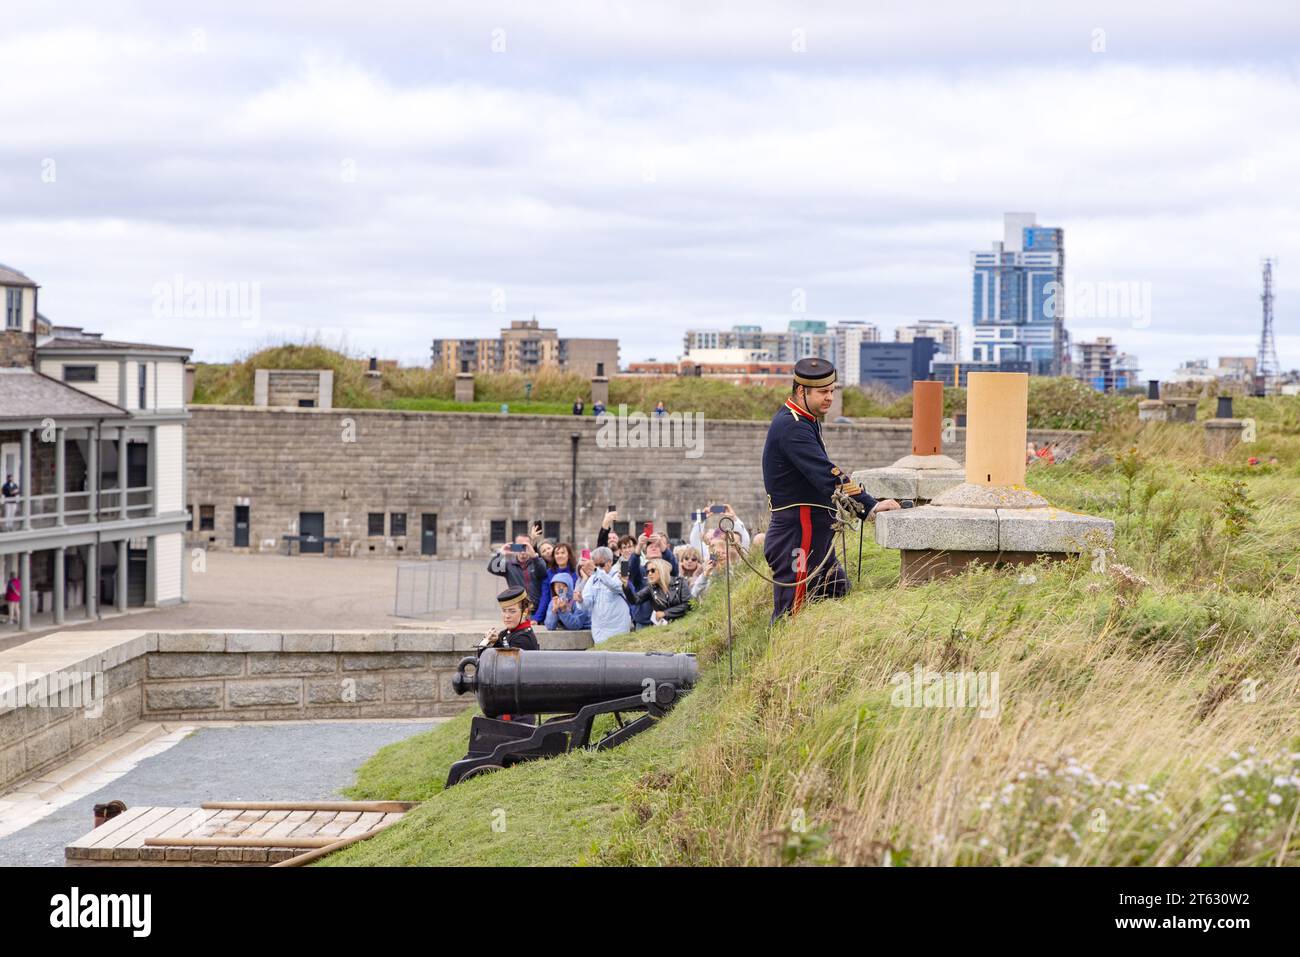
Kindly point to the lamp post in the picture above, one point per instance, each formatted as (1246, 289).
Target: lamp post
(574, 438)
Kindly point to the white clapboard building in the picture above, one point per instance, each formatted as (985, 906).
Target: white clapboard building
(92, 461)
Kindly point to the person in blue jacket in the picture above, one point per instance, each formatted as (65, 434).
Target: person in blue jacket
(563, 611)
(562, 560)
(800, 479)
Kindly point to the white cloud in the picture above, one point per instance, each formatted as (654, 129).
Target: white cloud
(645, 169)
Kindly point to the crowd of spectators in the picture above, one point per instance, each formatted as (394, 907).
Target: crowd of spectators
(621, 583)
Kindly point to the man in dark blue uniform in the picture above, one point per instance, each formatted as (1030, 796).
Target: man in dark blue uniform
(800, 479)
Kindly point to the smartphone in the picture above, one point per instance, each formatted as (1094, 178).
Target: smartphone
(516, 547)
(586, 554)
(649, 529)
(612, 509)
(718, 509)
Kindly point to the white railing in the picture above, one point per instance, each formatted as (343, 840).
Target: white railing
(76, 508)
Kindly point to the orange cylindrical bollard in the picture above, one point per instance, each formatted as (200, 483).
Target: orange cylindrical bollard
(927, 417)
(997, 410)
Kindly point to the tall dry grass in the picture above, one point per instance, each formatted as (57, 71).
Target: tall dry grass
(1146, 708)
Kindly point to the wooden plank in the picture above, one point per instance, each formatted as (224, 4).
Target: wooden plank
(264, 825)
(197, 820)
(103, 850)
(341, 820)
(238, 824)
(108, 827)
(313, 824)
(130, 848)
(157, 855)
(213, 824)
(291, 820)
(171, 840)
(362, 824)
(313, 805)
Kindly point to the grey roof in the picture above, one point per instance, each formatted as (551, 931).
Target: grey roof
(62, 343)
(27, 394)
(12, 277)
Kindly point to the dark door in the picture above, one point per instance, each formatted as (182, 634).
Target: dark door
(241, 526)
(311, 526)
(137, 577)
(428, 534)
(137, 470)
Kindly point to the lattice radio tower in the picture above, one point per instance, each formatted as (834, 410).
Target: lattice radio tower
(1266, 365)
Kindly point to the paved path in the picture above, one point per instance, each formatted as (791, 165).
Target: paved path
(302, 592)
(264, 762)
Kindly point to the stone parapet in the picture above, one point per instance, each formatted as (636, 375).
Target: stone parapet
(65, 693)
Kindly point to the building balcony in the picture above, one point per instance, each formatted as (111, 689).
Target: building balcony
(40, 512)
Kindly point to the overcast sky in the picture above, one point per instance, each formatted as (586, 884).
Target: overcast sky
(380, 176)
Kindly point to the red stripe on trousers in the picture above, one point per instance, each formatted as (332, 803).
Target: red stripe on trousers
(805, 543)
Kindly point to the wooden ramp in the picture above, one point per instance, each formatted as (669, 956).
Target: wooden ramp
(227, 834)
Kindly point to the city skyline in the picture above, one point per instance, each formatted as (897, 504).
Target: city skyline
(381, 188)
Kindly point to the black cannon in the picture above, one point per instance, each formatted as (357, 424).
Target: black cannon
(575, 686)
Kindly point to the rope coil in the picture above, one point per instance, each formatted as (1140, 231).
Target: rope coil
(848, 517)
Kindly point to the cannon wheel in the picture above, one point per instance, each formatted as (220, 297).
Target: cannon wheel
(481, 769)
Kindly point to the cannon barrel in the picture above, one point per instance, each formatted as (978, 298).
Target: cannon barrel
(513, 681)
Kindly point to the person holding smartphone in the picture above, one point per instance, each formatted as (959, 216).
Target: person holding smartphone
(600, 592)
(563, 561)
(701, 541)
(521, 567)
(649, 547)
(563, 611)
(606, 535)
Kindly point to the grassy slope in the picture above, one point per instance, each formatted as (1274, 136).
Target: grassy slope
(1053, 403)
(1121, 705)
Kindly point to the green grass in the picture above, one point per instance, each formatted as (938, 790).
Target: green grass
(1053, 403)
(1128, 682)
(1137, 668)
(517, 407)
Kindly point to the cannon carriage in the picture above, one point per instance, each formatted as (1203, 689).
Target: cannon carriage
(574, 687)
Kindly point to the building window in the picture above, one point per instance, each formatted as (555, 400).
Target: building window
(551, 530)
(518, 526)
(207, 518)
(376, 524)
(13, 308)
(397, 525)
(81, 373)
(143, 376)
(498, 532)
(674, 531)
(306, 403)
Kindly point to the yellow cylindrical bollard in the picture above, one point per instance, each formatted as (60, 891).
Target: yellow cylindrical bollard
(997, 410)
(927, 417)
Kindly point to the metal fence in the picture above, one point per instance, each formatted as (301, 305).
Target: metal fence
(445, 590)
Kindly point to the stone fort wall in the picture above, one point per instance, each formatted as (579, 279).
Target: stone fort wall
(473, 470)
